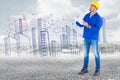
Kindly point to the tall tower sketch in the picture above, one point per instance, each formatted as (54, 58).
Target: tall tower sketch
(43, 39)
(104, 30)
(44, 42)
(53, 48)
(10, 45)
(7, 46)
(34, 43)
(17, 37)
(39, 29)
(65, 37)
(20, 26)
(74, 42)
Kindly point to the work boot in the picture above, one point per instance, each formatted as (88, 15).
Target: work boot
(96, 73)
(83, 71)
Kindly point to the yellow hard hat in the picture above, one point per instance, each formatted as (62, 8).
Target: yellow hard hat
(95, 3)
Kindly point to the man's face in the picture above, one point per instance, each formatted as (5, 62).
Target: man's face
(92, 8)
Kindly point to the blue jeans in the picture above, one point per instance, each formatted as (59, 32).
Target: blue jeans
(87, 44)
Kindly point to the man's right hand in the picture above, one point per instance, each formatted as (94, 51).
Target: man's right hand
(86, 24)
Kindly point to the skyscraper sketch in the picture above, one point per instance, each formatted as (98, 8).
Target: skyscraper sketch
(65, 37)
(43, 39)
(53, 48)
(17, 37)
(7, 46)
(10, 46)
(20, 26)
(34, 43)
(74, 43)
(104, 30)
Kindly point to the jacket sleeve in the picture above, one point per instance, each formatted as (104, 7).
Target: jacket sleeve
(78, 24)
(98, 25)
